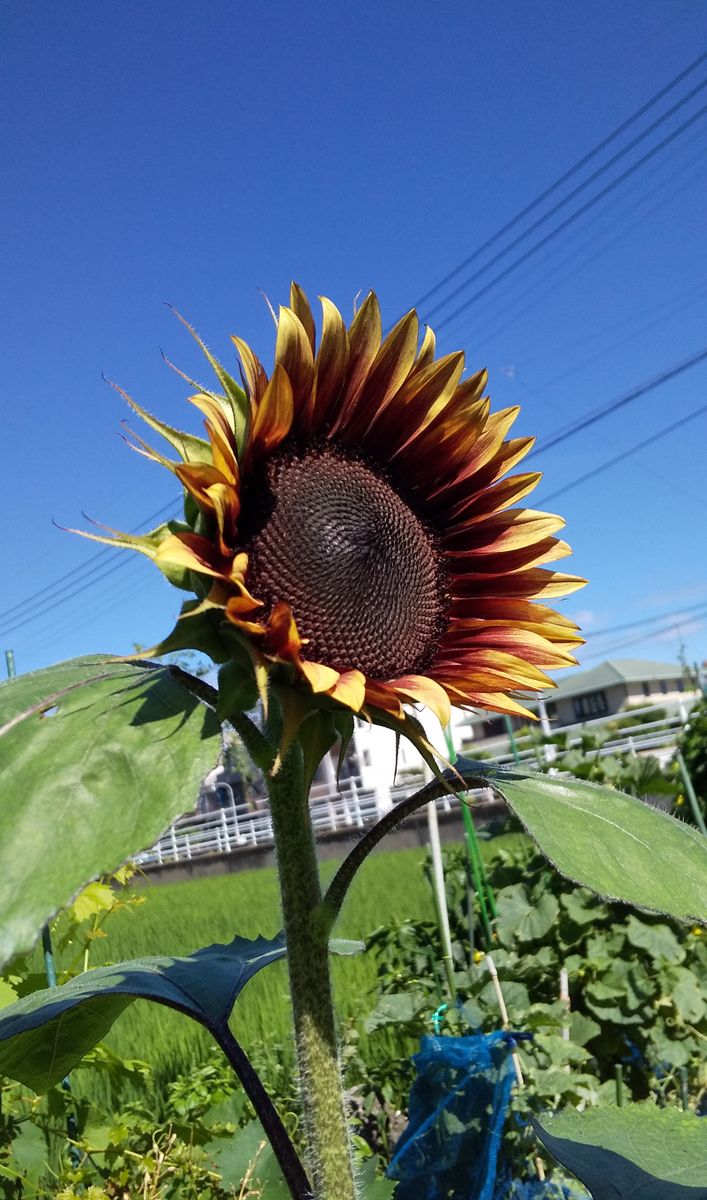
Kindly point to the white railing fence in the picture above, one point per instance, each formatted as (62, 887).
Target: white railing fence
(236, 825)
(641, 738)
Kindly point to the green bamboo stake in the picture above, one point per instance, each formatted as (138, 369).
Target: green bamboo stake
(482, 886)
(691, 794)
(511, 738)
(475, 864)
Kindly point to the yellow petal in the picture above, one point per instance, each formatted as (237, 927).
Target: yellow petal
(330, 367)
(300, 307)
(293, 351)
(350, 690)
(320, 677)
(273, 417)
(422, 690)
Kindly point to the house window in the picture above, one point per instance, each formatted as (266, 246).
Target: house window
(646, 689)
(594, 704)
(664, 686)
(680, 686)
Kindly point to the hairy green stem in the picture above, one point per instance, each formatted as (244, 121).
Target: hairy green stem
(329, 1159)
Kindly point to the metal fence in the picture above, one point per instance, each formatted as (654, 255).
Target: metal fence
(642, 738)
(236, 826)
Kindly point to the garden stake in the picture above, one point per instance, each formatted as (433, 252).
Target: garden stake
(440, 898)
(565, 999)
(473, 857)
(692, 797)
(520, 1079)
(511, 738)
(491, 968)
(478, 859)
(482, 886)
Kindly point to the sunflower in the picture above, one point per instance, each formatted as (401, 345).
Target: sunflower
(352, 518)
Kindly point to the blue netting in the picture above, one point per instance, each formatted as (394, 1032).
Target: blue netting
(534, 1189)
(457, 1108)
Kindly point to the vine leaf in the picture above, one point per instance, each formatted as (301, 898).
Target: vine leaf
(97, 758)
(639, 1152)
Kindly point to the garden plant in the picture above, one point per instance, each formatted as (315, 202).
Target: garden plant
(352, 549)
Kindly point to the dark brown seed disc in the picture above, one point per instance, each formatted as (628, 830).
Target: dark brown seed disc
(360, 571)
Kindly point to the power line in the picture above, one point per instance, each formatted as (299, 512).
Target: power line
(675, 612)
(510, 316)
(611, 462)
(135, 581)
(644, 637)
(588, 204)
(611, 137)
(668, 311)
(30, 603)
(581, 187)
(606, 410)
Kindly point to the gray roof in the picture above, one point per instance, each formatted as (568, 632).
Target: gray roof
(614, 670)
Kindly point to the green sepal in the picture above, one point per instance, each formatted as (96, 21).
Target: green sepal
(316, 735)
(344, 726)
(179, 577)
(237, 687)
(234, 402)
(200, 632)
(191, 449)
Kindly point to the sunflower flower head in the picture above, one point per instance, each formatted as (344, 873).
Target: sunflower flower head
(352, 525)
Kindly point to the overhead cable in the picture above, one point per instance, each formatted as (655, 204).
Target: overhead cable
(588, 204)
(607, 409)
(581, 187)
(606, 141)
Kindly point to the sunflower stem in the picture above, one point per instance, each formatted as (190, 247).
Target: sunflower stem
(329, 1150)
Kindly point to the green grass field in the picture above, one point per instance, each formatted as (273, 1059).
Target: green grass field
(179, 918)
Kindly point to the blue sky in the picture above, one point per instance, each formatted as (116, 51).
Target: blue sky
(197, 153)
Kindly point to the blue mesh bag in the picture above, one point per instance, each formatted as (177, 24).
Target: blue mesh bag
(534, 1189)
(449, 1149)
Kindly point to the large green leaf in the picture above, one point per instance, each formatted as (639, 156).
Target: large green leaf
(46, 1034)
(639, 1152)
(609, 842)
(612, 843)
(97, 758)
